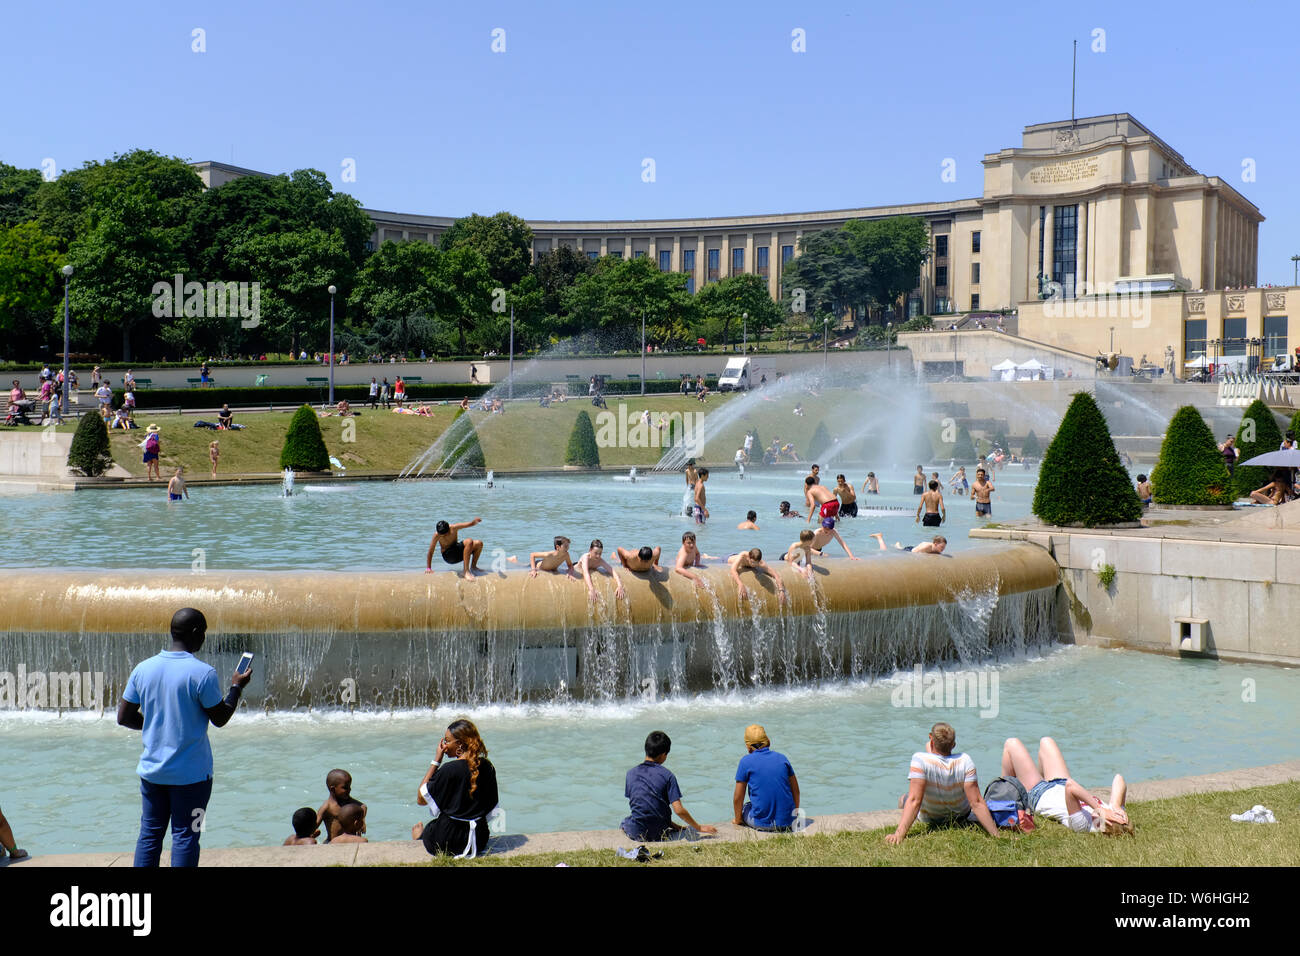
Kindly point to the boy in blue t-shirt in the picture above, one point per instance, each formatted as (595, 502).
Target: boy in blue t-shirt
(770, 780)
(654, 796)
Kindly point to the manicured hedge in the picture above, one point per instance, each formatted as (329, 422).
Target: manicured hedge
(1191, 469)
(1267, 437)
(582, 448)
(819, 443)
(292, 394)
(304, 447)
(1030, 447)
(461, 450)
(1081, 480)
(90, 453)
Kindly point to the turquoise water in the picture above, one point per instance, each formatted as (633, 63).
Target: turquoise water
(373, 525)
(561, 767)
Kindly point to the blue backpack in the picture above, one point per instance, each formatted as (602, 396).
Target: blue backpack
(1008, 802)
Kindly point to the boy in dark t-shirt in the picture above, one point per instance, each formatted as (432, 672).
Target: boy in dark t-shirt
(654, 796)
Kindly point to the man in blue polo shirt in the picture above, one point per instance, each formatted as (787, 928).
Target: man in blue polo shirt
(172, 697)
(773, 787)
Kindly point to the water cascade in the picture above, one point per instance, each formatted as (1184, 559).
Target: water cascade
(396, 640)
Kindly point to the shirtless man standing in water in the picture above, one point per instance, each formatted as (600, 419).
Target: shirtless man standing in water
(932, 502)
(981, 491)
(821, 501)
(453, 549)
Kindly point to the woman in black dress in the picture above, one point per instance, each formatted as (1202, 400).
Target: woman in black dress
(459, 795)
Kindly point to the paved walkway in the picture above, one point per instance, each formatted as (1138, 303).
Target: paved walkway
(410, 851)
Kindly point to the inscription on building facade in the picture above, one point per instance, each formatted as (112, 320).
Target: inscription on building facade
(1069, 171)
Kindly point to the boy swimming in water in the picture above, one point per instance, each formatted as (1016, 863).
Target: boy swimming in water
(787, 513)
(551, 560)
(592, 561)
(750, 522)
(821, 501)
(305, 830)
(753, 559)
(802, 551)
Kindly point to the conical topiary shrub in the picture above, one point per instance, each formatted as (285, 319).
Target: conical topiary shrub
(1030, 447)
(819, 443)
(1256, 435)
(1081, 481)
(1294, 427)
(582, 450)
(963, 449)
(90, 453)
(461, 450)
(1191, 469)
(304, 448)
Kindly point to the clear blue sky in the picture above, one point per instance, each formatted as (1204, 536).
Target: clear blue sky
(557, 126)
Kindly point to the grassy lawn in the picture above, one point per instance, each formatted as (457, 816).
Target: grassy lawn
(525, 437)
(1182, 831)
(384, 442)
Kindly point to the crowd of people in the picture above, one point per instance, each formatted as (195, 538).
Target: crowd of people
(173, 697)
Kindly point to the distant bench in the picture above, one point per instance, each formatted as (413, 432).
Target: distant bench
(144, 383)
(195, 382)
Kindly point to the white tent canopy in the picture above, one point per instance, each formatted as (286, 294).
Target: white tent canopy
(1004, 366)
(1199, 362)
(1032, 365)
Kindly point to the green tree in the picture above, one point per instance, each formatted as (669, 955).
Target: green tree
(556, 272)
(463, 289)
(830, 276)
(29, 286)
(722, 305)
(294, 271)
(1191, 470)
(168, 187)
(117, 260)
(18, 194)
(1256, 435)
(612, 300)
(90, 453)
(582, 450)
(1081, 480)
(304, 446)
(891, 251)
(399, 283)
(504, 241)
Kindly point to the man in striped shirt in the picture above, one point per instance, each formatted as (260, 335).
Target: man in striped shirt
(942, 788)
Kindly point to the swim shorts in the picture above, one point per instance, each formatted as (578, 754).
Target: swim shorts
(918, 489)
(984, 508)
(830, 508)
(698, 512)
(172, 497)
(453, 554)
(932, 520)
(849, 510)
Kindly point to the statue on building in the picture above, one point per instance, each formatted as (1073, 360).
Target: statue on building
(1169, 360)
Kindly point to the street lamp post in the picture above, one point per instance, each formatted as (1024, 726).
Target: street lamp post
(889, 347)
(1112, 338)
(826, 331)
(63, 401)
(332, 290)
(1296, 279)
(744, 332)
(510, 385)
(643, 351)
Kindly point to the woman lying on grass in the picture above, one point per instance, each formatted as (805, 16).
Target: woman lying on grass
(1054, 793)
